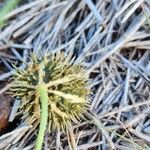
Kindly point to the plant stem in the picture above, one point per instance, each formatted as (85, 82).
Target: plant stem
(8, 6)
(43, 94)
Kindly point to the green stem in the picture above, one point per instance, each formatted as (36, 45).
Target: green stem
(8, 6)
(43, 94)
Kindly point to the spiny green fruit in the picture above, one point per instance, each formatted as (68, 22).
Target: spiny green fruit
(53, 90)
